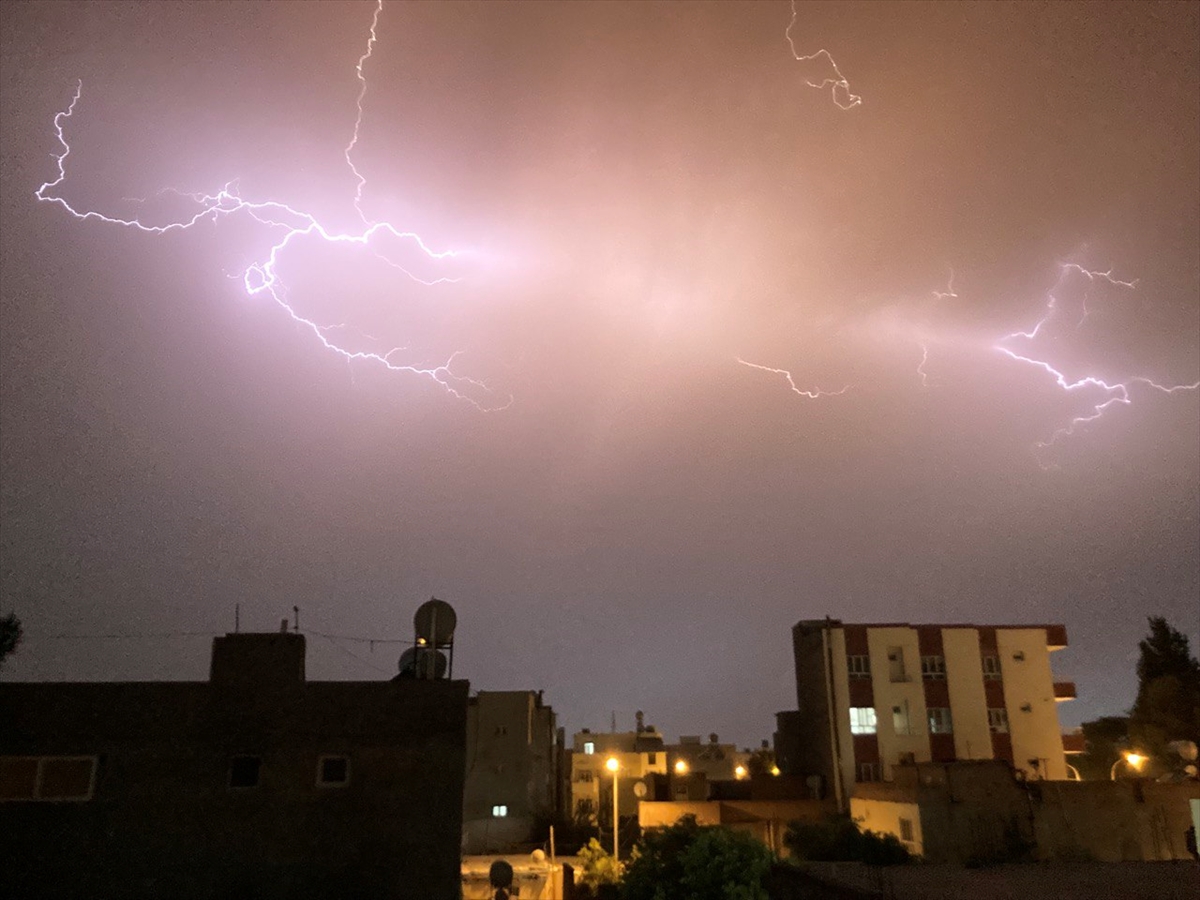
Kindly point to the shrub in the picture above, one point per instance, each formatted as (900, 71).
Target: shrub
(840, 839)
(689, 862)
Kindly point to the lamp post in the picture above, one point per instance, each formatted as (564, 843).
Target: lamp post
(614, 766)
(1134, 760)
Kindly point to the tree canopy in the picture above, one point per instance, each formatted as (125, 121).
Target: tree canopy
(10, 635)
(1168, 699)
(691, 862)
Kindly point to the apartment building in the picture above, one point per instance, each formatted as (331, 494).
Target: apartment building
(639, 755)
(512, 778)
(874, 696)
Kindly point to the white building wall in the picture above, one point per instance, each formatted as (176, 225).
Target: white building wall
(968, 703)
(1029, 698)
(908, 695)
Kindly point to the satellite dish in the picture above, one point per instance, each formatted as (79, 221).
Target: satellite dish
(422, 662)
(434, 623)
(408, 662)
(639, 789)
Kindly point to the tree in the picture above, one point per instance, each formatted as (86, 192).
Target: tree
(838, 838)
(1168, 699)
(598, 868)
(1103, 739)
(690, 862)
(10, 635)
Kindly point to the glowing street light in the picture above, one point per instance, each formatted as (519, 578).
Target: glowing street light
(613, 765)
(739, 773)
(1131, 758)
(681, 767)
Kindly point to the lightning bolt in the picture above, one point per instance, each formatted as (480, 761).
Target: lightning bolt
(362, 93)
(839, 87)
(1116, 392)
(921, 367)
(811, 395)
(261, 277)
(948, 293)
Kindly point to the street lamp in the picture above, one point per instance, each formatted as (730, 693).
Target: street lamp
(614, 766)
(1133, 759)
(681, 767)
(739, 773)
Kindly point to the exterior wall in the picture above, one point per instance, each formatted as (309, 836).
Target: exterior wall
(813, 738)
(884, 816)
(1028, 682)
(980, 812)
(765, 820)
(163, 820)
(512, 761)
(968, 703)
(716, 761)
(907, 694)
(843, 742)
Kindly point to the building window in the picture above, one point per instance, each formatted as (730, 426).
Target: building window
(868, 771)
(244, 771)
(59, 778)
(896, 664)
(991, 668)
(901, 724)
(583, 776)
(501, 730)
(333, 771)
(585, 808)
(906, 830)
(589, 747)
(859, 666)
(933, 668)
(998, 720)
(940, 721)
(653, 760)
(499, 811)
(862, 720)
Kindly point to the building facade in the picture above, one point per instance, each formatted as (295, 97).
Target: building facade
(256, 782)
(871, 697)
(512, 777)
(641, 755)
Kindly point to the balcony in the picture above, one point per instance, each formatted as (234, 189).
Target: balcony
(1073, 743)
(1064, 690)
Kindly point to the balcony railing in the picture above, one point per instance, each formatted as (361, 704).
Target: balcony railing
(1064, 690)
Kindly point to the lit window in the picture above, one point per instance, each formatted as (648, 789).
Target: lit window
(333, 771)
(868, 771)
(906, 830)
(998, 720)
(862, 720)
(500, 811)
(63, 778)
(244, 771)
(589, 747)
(991, 668)
(859, 666)
(933, 668)
(940, 721)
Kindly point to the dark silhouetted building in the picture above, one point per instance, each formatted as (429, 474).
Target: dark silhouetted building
(256, 783)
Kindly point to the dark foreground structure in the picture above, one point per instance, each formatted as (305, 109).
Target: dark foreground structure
(254, 784)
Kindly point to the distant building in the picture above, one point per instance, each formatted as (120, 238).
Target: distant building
(512, 775)
(872, 697)
(712, 759)
(640, 755)
(253, 783)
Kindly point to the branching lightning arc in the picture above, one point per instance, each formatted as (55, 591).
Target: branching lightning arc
(262, 276)
(839, 87)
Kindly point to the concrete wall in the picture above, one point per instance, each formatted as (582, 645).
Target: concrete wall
(884, 816)
(811, 742)
(1029, 682)
(968, 705)
(164, 822)
(979, 811)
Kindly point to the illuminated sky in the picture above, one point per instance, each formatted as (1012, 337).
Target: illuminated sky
(641, 196)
